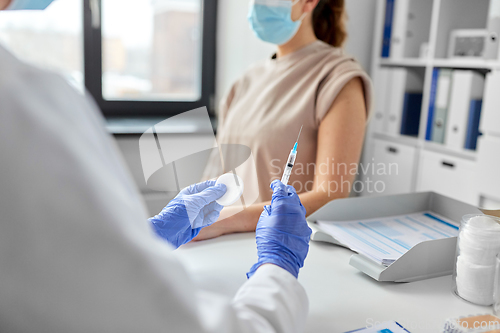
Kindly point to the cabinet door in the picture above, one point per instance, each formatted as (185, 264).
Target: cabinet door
(450, 176)
(390, 171)
(488, 160)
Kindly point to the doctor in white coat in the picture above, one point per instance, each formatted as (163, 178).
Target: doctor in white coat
(77, 251)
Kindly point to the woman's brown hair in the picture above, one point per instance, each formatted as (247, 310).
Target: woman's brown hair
(329, 19)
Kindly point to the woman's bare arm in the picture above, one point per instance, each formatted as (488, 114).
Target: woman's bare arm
(340, 139)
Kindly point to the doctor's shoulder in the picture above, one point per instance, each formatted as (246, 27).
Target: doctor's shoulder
(22, 77)
(29, 91)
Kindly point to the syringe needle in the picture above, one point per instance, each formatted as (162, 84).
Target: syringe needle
(299, 133)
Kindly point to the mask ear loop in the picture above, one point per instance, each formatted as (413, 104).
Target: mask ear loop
(303, 14)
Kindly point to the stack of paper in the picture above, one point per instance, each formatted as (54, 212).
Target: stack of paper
(386, 239)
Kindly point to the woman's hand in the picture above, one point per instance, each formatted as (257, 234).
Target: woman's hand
(213, 231)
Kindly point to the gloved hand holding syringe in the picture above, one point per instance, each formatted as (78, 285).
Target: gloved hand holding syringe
(291, 161)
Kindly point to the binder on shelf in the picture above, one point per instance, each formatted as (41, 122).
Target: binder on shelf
(386, 41)
(490, 117)
(423, 261)
(473, 124)
(441, 105)
(399, 29)
(432, 101)
(410, 119)
(402, 81)
(382, 86)
(467, 85)
(398, 79)
(492, 43)
(417, 32)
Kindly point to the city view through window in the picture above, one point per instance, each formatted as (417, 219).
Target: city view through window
(51, 39)
(151, 49)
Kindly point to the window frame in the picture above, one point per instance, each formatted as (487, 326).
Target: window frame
(142, 109)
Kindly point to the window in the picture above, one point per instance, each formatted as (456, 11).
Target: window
(150, 57)
(51, 39)
(158, 56)
(138, 58)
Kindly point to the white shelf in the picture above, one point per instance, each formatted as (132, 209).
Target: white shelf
(448, 63)
(427, 145)
(439, 148)
(402, 139)
(445, 16)
(465, 63)
(408, 62)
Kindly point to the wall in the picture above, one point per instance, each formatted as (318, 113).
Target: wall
(360, 28)
(238, 48)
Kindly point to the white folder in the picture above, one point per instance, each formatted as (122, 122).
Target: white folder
(490, 113)
(491, 46)
(396, 100)
(399, 27)
(417, 33)
(466, 86)
(382, 84)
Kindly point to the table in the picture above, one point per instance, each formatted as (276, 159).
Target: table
(341, 297)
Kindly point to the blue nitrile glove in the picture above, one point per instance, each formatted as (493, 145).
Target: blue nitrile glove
(191, 210)
(282, 232)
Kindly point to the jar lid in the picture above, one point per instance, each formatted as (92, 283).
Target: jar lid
(485, 225)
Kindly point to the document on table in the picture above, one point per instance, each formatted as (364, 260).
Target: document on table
(386, 239)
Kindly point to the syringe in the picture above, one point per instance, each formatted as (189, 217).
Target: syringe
(291, 161)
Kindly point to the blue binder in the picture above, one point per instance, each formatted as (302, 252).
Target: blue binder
(473, 124)
(386, 42)
(410, 119)
(432, 100)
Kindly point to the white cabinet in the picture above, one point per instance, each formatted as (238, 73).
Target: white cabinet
(451, 176)
(488, 160)
(467, 175)
(390, 171)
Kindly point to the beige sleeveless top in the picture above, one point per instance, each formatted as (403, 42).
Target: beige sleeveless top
(266, 107)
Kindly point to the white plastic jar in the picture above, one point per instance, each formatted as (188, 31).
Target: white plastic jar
(478, 244)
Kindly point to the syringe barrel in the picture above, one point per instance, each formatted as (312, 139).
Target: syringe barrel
(291, 158)
(288, 167)
(286, 176)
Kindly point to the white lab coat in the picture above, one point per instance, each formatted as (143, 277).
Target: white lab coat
(76, 251)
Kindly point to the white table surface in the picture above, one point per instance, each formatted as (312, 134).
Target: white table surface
(341, 298)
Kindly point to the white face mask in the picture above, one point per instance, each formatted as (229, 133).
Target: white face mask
(29, 4)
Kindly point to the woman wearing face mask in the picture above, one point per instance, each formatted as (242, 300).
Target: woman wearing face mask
(309, 82)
